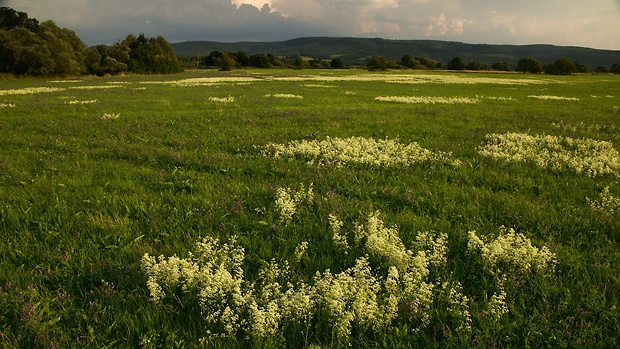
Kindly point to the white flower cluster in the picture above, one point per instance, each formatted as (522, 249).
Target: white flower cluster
(287, 204)
(284, 95)
(407, 281)
(495, 98)
(81, 102)
(583, 126)
(416, 79)
(513, 250)
(112, 116)
(358, 150)
(30, 90)
(587, 156)
(64, 81)
(606, 203)
(351, 297)
(435, 246)
(553, 98)
(7, 105)
(301, 250)
(411, 267)
(340, 240)
(228, 99)
(95, 87)
(497, 304)
(206, 81)
(509, 250)
(213, 273)
(318, 85)
(363, 296)
(458, 304)
(315, 79)
(427, 100)
(383, 243)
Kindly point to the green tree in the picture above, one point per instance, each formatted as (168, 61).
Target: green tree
(260, 60)
(9, 19)
(501, 66)
(142, 55)
(428, 63)
(23, 52)
(615, 68)
(380, 63)
(602, 69)
(583, 68)
(226, 62)
(67, 50)
(336, 63)
(30, 48)
(93, 61)
(242, 58)
(456, 64)
(272, 60)
(299, 63)
(529, 65)
(475, 65)
(561, 66)
(410, 62)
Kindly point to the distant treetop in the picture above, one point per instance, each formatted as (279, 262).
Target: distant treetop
(28, 47)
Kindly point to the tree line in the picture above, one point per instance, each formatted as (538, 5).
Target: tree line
(28, 47)
(561, 66)
(227, 61)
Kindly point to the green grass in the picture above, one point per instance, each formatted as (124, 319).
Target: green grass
(82, 199)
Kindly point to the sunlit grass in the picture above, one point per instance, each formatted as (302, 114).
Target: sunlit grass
(175, 209)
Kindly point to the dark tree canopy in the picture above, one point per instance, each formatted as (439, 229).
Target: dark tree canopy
(561, 66)
(456, 64)
(336, 63)
(28, 47)
(503, 66)
(10, 19)
(529, 65)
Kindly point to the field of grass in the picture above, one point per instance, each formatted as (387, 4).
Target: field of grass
(268, 208)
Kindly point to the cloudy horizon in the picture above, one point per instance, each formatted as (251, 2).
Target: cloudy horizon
(588, 24)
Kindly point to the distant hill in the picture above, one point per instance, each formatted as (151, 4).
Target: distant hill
(357, 50)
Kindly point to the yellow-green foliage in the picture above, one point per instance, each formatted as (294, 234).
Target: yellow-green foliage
(606, 203)
(358, 150)
(362, 296)
(512, 249)
(590, 157)
(427, 100)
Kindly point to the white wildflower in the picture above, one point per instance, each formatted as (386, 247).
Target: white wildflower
(556, 98)
(606, 203)
(514, 249)
(340, 240)
(30, 90)
(285, 204)
(284, 95)
(110, 116)
(358, 150)
(301, 249)
(228, 99)
(593, 158)
(427, 100)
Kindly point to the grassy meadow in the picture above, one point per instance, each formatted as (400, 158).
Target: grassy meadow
(310, 209)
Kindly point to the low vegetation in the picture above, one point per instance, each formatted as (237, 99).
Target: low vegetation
(283, 208)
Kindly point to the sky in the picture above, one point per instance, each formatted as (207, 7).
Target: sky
(588, 23)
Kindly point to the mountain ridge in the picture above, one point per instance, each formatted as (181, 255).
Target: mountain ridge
(357, 50)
